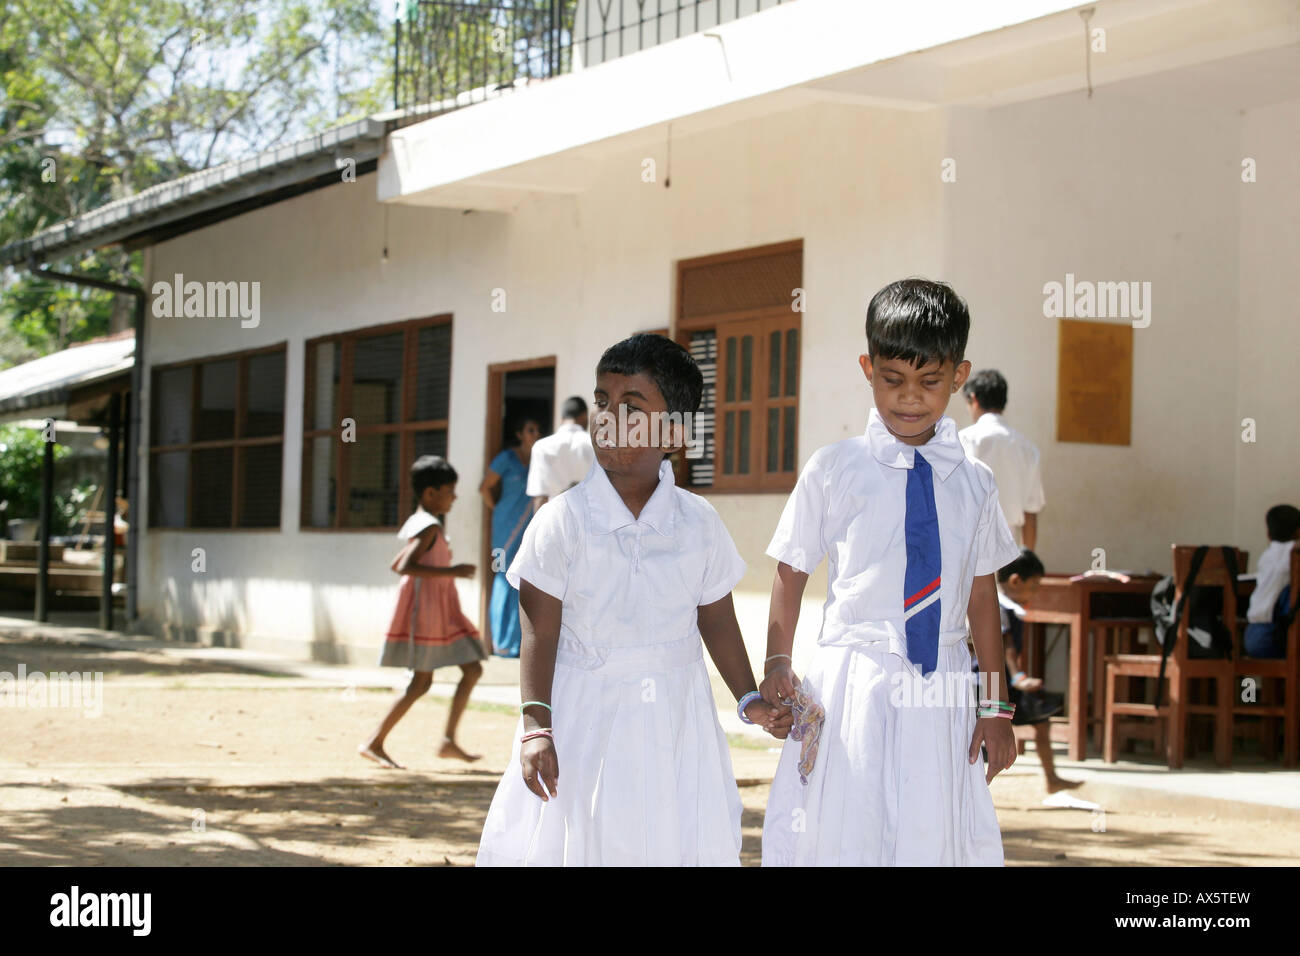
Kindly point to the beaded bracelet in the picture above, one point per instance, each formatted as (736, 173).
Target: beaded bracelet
(539, 703)
(745, 701)
(996, 708)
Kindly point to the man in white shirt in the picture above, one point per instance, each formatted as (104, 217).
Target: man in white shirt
(1013, 458)
(561, 460)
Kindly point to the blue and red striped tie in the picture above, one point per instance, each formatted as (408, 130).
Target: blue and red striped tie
(924, 565)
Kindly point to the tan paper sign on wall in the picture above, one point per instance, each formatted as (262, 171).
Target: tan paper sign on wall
(1094, 398)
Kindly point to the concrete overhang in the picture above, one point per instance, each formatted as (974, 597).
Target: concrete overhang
(552, 137)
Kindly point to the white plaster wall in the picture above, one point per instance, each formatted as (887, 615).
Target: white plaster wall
(1113, 189)
(1268, 326)
(1122, 187)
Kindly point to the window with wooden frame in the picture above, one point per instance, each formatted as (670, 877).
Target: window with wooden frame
(738, 314)
(217, 441)
(376, 400)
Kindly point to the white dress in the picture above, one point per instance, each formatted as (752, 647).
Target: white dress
(645, 773)
(892, 784)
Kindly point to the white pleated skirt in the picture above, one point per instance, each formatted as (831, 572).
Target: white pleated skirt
(645, 773)
(892, 785)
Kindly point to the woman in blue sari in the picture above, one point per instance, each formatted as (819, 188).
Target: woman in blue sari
(511, 510)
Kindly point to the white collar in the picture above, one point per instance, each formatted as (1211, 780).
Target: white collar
(1007, 604)
(569, 427)
(943, 451)
(416, 524)
(608, 512)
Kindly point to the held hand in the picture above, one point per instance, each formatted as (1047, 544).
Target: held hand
(537, 758)
(464, 570)
(775, 720)
(999, 740)
(778, 685)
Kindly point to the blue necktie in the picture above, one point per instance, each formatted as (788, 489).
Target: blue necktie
(921, 579)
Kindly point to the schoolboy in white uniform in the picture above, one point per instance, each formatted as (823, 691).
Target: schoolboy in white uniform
(913, 533)
(1272, 600)
(620, 759)
(1014, 459)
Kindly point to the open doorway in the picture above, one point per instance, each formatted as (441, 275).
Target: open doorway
(516, 391)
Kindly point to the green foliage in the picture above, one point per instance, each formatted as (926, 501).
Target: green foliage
(100, 99)
(21, 453)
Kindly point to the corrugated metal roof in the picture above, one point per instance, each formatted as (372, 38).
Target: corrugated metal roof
(46, 381)
(203, 192)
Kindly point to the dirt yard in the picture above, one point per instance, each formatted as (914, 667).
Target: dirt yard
(199, 765)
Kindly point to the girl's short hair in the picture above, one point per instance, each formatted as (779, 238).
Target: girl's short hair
(917, 321)
(669, 366)
(431, 471)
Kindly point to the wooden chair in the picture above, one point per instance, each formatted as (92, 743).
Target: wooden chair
(1287, 671)
(1180, 670)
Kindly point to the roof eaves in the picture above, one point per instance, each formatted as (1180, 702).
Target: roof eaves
(113, 220)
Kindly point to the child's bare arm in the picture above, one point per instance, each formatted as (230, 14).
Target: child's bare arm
(779, 680)
(721, 634)
(407, 560)
(539, 624)
(994, 732)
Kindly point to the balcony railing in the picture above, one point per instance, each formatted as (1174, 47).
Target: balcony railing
(451, 53)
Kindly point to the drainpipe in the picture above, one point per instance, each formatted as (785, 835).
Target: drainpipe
(137, 377)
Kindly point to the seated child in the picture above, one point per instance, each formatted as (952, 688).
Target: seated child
(620, 759)
(1270, 602)
(1017, 584)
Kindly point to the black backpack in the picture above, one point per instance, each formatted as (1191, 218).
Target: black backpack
(1210, 636)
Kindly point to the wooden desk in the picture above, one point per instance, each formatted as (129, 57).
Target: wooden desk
(1083, 605)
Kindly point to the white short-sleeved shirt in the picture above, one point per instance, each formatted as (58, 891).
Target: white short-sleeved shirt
(559, 461)
(1272, 574)
(849, 505)
(628, 581)
(1015, 462)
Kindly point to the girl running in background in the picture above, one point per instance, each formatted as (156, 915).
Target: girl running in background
(428, 629)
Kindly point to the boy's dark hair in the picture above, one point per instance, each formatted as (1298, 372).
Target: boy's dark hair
(1283, 521)
(989, 388)
(430, 471)
(1027, 565)
(573, 407)
(917, 321)
(669, 366)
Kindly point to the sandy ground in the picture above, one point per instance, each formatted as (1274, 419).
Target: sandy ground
(196, 764)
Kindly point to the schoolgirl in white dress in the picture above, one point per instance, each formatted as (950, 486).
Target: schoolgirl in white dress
(642, 772)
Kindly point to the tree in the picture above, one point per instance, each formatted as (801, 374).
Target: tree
(100, 99)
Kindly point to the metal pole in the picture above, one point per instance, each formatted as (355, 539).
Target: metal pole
(47, 511)
(133, 458)
(110, 513)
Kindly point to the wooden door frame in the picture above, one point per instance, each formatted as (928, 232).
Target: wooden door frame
(492, 437)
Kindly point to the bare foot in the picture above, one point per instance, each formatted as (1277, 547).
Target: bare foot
(371, 752)
(1057, 784)
(451, 749)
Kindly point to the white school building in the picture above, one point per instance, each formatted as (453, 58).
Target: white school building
(745, 188)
